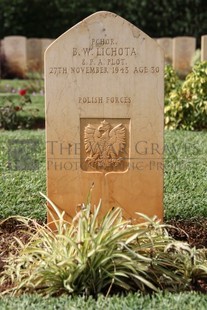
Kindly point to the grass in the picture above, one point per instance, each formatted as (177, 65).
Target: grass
(12, 86)
(19, 189)
(185, 182)
(7, 86)
(159, 301)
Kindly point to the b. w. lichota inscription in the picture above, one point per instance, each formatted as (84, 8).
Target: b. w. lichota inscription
(103, 56)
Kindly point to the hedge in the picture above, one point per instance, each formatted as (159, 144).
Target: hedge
(50, 18)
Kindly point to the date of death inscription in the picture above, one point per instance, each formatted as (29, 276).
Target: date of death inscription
(98, 69)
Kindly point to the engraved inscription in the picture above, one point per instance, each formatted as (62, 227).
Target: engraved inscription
(105, 51)
(102, 41)
(117, 100)
(104, 57)
(104, 145)
(98, 69)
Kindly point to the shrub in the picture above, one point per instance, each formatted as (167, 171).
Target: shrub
(172, 81)
(10, 111)
(186, 106)
(91, 256)
(8, 116)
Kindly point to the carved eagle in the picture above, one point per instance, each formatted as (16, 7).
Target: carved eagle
(103, 144)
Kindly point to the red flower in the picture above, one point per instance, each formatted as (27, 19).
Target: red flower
(22, 92)
(17, 108)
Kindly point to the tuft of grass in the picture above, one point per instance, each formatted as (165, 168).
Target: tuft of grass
(90, 256)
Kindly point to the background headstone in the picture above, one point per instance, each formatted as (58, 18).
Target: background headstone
(44, 45)
(34, 55)
(104, 117)
(1, 57)
(167, 45)
(183, 52)
(204, 48)
(15, 56)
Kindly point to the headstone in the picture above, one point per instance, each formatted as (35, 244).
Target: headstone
(1, 57)
(183, 52)
(204, 48)
(34, 55)
(15, 56)
(104, 117)
(44, 43)
(167, 45)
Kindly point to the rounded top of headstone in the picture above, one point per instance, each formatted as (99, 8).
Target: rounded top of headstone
(103, 23)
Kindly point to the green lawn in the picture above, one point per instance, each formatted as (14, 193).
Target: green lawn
(185, 183)
(8, 86)
(34, 83)
(160, 301)
(19, 189)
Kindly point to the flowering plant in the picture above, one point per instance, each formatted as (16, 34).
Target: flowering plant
(24, 98)
(12, 105)
(22, 92)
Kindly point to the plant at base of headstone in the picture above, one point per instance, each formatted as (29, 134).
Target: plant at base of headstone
(10, 108)
(93, 255)
(186, 106)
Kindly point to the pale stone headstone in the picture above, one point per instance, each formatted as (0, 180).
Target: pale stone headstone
(183, 52)
(1, 47)
(44, 43)
(104, 117)
(1, 56)
(167, 45)
(204, 48)
(34, 55)
(15, 55)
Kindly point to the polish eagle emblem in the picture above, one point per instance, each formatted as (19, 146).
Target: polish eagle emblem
(104, 145)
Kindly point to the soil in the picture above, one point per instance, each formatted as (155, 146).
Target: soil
(194, 232)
